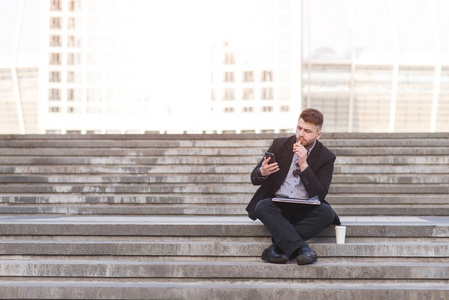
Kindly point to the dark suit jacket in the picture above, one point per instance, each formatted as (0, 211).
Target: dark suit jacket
(316, 178)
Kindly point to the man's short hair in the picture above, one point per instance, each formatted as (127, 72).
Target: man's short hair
(314, 116)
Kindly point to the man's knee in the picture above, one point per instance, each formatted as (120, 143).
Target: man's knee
(264, 206)
(326, 213)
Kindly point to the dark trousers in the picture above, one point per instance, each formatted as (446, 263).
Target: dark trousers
(291, 225)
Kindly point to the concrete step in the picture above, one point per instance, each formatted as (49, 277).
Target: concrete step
(343, 199)
(217, 179)
(209, 169)
(208, 289)
(154, 198)
(428, 189)
(122, 209)
(210, 160)
(128, 169)
(214, 209)
(136, 178)
(386, 151)
(210, 188)
(236, 140)
(215, 248)
(213, 178)
(234, 167)
(210, 226)
(216, 270)
(132, 152)
(150, 143)
(189, 188)
(422, 136)
(390, 169)
(110, 160)
(393, 160)
(213, 151)
(392, 210)
(390, 178)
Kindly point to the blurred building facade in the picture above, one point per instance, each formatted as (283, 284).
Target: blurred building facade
(377, 66)
(256, 82)
(19, 71)
(19, 105)
(90, 86)
(370, 66)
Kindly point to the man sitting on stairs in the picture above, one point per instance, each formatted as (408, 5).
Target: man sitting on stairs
(302, 169)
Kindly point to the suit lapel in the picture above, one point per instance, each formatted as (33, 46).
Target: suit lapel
(314, 154)
(285, 158)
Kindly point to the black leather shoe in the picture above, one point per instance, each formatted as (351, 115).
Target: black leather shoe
(271, 255)
(306, 256)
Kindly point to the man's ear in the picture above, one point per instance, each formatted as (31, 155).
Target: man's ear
(318, 135)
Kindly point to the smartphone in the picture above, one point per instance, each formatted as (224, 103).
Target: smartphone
(271, 157)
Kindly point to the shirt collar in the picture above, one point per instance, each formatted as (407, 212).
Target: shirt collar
(308, 151)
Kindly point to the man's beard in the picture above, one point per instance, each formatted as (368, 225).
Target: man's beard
(308, 144)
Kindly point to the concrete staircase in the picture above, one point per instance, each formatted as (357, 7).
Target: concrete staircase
(162, 217)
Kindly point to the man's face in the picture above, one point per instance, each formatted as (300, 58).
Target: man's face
(307, 133)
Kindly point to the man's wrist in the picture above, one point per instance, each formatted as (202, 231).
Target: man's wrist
(305, 168)
(259, 173)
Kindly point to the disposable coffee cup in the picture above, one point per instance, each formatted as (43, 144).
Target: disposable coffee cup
(340, 232)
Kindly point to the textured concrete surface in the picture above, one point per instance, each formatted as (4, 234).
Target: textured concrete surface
(216, 220)
(228, 290)
(162, 217)
(222, 270)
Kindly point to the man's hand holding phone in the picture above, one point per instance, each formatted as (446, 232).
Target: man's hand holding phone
(269, 165)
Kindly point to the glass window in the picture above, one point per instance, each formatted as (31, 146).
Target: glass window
(248, 76)
(74, 41)
(55, 76)
(228, 77)
(73, 59)
(70, 94)
(55, 23)
(267, 75)
(74, 5)
(70, 76)
(55, 58)
(55, 41)
(285, 108)
(267, 93)
(73, 94)
(74, 109)
(74, 77)
(267, 108)
(54, 94)
(248, 94)
(55, 5)
(229, 94)
(229, 59)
